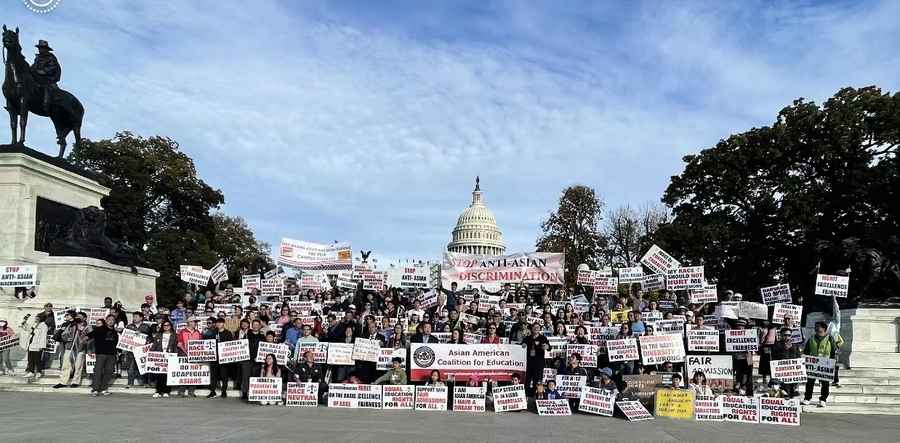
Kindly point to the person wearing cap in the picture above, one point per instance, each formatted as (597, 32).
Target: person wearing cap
(394, 376)
(606, 382)
(46, 70)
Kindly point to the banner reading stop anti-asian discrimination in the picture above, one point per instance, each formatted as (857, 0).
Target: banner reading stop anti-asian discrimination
(308, 256)
(497, 362)
(532, 267)
(16, 276)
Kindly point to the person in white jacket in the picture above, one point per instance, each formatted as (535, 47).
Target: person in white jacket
(35, 344)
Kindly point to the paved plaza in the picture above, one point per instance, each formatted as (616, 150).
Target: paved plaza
(37, 417)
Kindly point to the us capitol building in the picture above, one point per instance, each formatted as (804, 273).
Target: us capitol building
(476, 229)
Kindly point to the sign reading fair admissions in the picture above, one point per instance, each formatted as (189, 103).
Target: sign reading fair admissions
(497, 362)
(534, 267)
(832, 285)
(16, 276)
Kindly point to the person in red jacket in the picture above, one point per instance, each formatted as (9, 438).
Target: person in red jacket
(190, 332)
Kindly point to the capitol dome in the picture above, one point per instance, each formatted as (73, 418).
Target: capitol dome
(476, 229)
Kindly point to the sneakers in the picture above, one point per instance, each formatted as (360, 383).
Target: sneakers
(94, 393)
(822, 403)
(28, 375)
(39, 375)
(156, 395)
(105, 393)
(211, 394)
(165, 395)
(835, 385)
(224, 394)
(58, 385)
(804, 402)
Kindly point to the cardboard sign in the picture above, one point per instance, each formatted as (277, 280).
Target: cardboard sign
(366, 350)
(832, 285)
(819, 368)
(703, 340)
(234, 351)
(182, 372)
(684, 278)
(18, 276)
(195, 275)
(625, 349)
(354, 396)
(740, 409)
(588, 354)
(597, 401)
(634, 410)
(469, 399)
(779, 411)
(304, 395)
(707, 294)
(783, 310)
(431, 398)
(776, 294)
(264, 389)
(280, 350)
(606, 286)
(398, 396)
(569, 386)
(790, 370)
(201, 351)
(708, 408)
(630, 275)
(657, 349)
(318, 349)
(750, 309)
(741, 340)
(675, 403)
(642, 386)
(130, 339)
(510, 398)
(718, 370)
(340, 354)
(659, 261)
(555, 408)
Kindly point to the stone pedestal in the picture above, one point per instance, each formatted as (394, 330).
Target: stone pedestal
(871, 337)
(25, 177)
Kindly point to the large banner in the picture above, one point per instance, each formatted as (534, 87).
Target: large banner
(532, 267)
(497, 362)
(15, 276)
(308, 256)
(718, 370)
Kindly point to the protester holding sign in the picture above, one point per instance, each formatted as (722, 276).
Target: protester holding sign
(218, 373)
(105, 340)
(164, 341)
(535, 345)
(185, 336)
(819, 345)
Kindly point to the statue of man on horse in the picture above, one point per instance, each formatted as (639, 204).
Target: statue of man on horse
(32, 88)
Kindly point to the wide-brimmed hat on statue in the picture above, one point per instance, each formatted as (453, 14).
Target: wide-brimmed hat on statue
(43, 44)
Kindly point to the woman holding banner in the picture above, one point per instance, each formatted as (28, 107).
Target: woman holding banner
(270, 369)
(165, 340)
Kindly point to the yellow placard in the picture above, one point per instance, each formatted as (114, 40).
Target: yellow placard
(675, 403)
(617, 317)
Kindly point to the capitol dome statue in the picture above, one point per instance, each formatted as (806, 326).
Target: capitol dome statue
(476, 229)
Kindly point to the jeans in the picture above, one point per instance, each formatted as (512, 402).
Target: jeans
(6, 361)
(103, 372)
(35, 362)
(811, 383)
(133, 372)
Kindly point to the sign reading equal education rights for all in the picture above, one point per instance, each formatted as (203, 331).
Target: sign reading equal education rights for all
(497, 362)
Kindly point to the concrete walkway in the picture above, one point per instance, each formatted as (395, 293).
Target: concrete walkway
(39, 417)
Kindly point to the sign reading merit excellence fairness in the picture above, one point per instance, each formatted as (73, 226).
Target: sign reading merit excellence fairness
(498, 362)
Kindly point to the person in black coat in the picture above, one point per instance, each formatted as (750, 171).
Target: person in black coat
(424, 336)
(218, 373)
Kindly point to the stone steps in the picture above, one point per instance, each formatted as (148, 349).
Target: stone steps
(854, 408)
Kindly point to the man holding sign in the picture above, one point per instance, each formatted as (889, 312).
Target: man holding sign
(819, 345)
(218, 372)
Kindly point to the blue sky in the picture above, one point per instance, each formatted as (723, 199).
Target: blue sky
(367, 121)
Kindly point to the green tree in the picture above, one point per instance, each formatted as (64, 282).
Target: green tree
(627, 233)
(758, 207)
(574, 229)
(235, 243)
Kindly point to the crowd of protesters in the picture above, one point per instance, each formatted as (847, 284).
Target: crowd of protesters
(396, 318)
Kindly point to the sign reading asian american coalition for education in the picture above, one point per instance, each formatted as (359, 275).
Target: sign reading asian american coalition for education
(494, 270)
(498, 362)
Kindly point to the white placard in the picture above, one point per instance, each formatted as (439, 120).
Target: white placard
(398, 396)
(469, 399)
(832, 285)
(431, 398)
(264, 389)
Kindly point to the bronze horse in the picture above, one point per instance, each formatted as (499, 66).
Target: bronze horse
(23, 95)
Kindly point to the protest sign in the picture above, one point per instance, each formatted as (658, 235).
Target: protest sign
(271, 287)
(340, 354)
(510, 398)
(157, 362)
(557, 346)
(569, 386)
(819, 368)
(727, 310)
(785, 310)
(653, 282)
(634, 410)
(398, 396)
(250, 282)
(666, 305)
(659, 261)
(703, 340)
(309, 256)
(585, 278)
(779, 411)
(194, 275)
(387, 354)
(234, 351)
(776, 294)
(597, 401)
(601, 334)
(657, 349)
(181, 371)
(630, 275)
(832, 285)
(130, 339)
(345, 280)
(552, 408)
(622, 350)
(469, 399)
(318, 349)
(51, 345)
(431, 398)
(305, 395)
(642, 386)
(219, 272)
(140, 357)
(497, 362)
(366, 350)
(708, 408)
(18, 276)
(606, 286)
(718, 370)
(740, 409)
(533, 267)
(675, 403)
(354, 396)
(618, 317)
(741, 340)
(588, 354)
(94, 314)
(789, 370)
(749, 309)
(90, 361)
(280, 350)
(201, 351)
(413, 277)
(708, 294)
(264, 389)
(669, 327)
(549, 374)
(683, 278)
